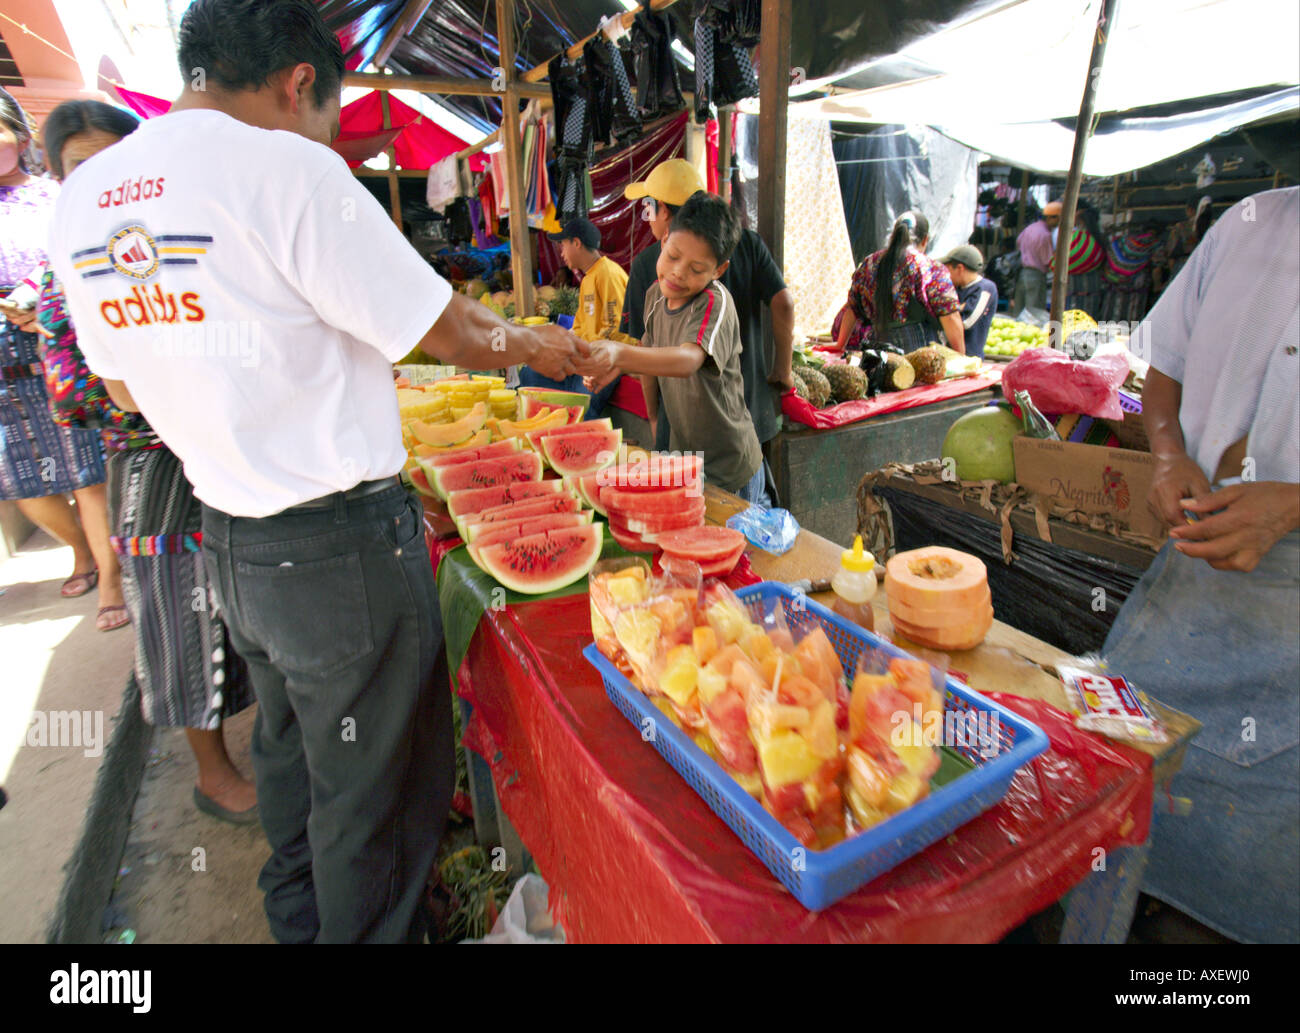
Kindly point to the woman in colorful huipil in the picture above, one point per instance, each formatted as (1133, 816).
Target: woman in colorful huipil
(42, 463)
(903, 294)
(189, 676)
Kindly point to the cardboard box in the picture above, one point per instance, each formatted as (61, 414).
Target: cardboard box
(1113, 481)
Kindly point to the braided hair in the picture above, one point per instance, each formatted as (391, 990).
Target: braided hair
(909, 228)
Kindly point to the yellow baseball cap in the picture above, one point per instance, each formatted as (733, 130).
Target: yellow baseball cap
(671, 182)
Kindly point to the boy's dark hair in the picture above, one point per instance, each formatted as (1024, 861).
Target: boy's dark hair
(240, 44)
(77, 116)
(710, 218)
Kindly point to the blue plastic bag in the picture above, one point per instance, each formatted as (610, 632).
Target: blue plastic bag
(772, 530)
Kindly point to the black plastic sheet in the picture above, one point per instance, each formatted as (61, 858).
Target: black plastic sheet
(1048, 591)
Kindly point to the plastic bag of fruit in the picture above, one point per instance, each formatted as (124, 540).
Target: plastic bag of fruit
(895, 729)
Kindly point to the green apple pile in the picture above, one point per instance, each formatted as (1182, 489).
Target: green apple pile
(1009, 337)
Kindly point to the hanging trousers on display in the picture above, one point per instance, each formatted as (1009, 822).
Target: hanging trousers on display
(658, 88)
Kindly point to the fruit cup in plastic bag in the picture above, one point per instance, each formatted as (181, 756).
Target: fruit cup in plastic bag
(675, 663)
(895, 729)
(615, 585)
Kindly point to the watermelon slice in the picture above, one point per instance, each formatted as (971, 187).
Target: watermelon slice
(631, 542)
(421, 482)
(661, 470)
(656, 523)
(475, 529)
(533, 400)
(560, 503)
(664, 502)
(507, 531)
(522, 466)
(535, 436)
(704, 545)
(498, 450)
(671, 564)
(543, 562)
(576, 455)
(471, 500)
(590, 490)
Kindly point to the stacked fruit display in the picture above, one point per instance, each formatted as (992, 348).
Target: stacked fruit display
(1009, 337)
(715, 550)
(939, 598)
(775, 713)
(647, 497)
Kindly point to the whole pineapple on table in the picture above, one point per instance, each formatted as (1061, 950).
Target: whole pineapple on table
(818, 387)
(929, 363)
(848, 383)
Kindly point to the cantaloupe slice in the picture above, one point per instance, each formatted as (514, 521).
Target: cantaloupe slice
(954, 639)
(480, 439)
(936, 578)
(443, 435)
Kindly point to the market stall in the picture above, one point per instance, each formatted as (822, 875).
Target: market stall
(632, 854)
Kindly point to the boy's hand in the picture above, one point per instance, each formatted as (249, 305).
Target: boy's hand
(603, 359)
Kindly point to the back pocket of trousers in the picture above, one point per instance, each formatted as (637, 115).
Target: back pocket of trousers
(311, 617)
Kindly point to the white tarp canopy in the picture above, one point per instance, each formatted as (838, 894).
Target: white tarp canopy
(1000, 78)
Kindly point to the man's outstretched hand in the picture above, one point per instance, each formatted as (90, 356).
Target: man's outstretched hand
(557, 353)
(1238, 524)
(1176, 477)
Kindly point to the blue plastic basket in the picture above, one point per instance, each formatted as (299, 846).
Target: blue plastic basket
(818, 878)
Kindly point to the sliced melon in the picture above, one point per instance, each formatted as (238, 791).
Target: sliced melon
(545, 562)
(499, 450)
(480, 439)
(487, 473)
(482, 535)
(442, 435)
(576, 455)
(471, 500)
(535, 436)
(561, 502)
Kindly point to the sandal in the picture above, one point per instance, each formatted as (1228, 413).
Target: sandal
(79, 584)
(110, 618)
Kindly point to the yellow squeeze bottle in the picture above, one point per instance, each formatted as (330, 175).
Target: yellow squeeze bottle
(854, 584)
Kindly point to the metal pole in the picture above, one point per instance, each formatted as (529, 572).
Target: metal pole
(1106, 16)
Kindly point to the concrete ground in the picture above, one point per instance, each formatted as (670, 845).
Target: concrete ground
(53, 661)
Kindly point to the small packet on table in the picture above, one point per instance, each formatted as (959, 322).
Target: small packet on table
(773, 530)
(1108, 704)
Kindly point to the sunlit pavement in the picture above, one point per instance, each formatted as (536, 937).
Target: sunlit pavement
(52, 660)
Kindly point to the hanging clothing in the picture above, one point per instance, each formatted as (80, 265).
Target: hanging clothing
(443, 185)
(724, 71)
(659, 90)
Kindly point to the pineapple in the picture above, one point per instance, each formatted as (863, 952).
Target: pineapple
(786, 757)
(680, 674)
(819, 388)
(929, 364)
(847, 382)
(800, 386)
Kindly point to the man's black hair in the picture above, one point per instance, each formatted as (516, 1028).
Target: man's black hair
(13, 117)
(79, 116)
(240, 44)
(710, 218)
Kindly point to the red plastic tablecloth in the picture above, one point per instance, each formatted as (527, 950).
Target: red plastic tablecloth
(802, 411)
(632, 854)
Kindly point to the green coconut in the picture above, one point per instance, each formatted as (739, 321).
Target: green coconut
(980, 443)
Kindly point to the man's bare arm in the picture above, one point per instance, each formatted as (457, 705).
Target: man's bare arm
(121, 397)
(472, 336)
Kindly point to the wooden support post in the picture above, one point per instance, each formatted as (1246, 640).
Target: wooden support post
(394, 188)
(434, 84)
(1024, 199)
(773, 104)
(521, 258)
(724, 153)
(1106, 18)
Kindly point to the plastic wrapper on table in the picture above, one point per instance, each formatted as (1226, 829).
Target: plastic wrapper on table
(633, 855)
(1047, 591)
(800, 410)
(773, 530)
(1060, 384)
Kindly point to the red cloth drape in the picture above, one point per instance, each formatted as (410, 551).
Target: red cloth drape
(632, 854)
(419, 142)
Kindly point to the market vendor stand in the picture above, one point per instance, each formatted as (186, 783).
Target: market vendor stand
(632, 854)
(1060, 576)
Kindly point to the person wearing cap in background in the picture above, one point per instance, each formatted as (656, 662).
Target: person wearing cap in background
(752, 279)
(1035, 244)
(600, 294)
(978, 295)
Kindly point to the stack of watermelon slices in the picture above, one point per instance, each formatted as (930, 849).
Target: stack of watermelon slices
(715, 550)
(647, 498)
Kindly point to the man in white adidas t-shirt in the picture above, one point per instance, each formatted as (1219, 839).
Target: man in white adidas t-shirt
(239, 287)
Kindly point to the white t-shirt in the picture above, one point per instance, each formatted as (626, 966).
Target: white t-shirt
(253, 296)
(1228, 330)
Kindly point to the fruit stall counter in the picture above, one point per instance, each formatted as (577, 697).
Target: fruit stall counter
(1065, 581)
(632, 854)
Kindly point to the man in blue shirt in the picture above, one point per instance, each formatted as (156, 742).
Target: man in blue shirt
(978, 295)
